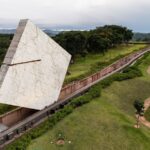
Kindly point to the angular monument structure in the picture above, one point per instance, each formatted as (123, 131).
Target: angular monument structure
(33, 70)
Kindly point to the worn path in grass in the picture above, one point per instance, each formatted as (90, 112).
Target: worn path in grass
(81, 65)
(148, 70)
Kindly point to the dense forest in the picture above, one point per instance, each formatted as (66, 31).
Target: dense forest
(76, 43)
(5, 40)
(98, 40)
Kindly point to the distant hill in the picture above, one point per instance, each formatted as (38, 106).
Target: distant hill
(51, 32)
(141, 37)
(136, 37)
(12, 31)
(7, 31)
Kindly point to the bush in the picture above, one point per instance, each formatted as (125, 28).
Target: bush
(95, 91)
(79, 101)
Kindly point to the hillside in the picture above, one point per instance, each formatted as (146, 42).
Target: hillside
(83, 65)
(141, 37)
(12, 31)
(106, 122)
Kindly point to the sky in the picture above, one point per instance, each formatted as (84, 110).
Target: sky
(77, 14)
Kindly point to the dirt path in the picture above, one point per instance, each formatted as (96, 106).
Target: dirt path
(142, 119)
(146, 106)
(148, 70)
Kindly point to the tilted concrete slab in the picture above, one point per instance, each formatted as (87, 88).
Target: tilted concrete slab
(33, 70)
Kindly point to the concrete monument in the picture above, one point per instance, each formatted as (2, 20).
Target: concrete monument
(33, 70)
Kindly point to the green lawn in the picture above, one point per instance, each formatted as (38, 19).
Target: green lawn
(147, 114)
(105, 123)
(83, 65)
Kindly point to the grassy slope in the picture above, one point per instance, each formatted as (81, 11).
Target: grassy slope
(82, 65)
(106, 123)
(147, 114)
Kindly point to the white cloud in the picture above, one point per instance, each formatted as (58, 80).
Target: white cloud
(133, 13)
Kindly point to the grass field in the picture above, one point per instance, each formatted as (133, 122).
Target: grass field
(147, 114)
(105, 123)
(83, 65)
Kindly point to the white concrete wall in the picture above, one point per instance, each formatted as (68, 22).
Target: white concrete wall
(33, 84)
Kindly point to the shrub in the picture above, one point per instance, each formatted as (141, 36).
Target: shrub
(95, 91)
(79, 101)
(106, 82)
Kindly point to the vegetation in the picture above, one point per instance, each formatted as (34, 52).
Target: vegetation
(106, 122)
(93, 93)
(4, 44)
(94, 62)
(98, 40)
(139, 106)
(83, 45)
(145, 37)
(147, 114)
(80, 68)
(5, 108)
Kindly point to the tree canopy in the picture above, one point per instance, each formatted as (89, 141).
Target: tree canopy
(98, 40)
(139, 106)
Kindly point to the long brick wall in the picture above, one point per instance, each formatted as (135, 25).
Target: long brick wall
(71, 88)
(10, 118)
(14, 116)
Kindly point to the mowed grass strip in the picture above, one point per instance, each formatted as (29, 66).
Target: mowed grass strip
(105, 123)
(83, 65)
(147, 114)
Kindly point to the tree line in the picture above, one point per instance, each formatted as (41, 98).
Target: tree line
(5, 40)
(98, 40)
(76, 43)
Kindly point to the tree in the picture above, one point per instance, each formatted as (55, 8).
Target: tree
(128, 35)
(139, 106)
(98, 40)
(73, 41)
(97, 44)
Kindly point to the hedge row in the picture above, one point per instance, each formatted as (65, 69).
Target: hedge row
(93, 92)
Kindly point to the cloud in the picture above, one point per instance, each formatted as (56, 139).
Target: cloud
(130, 13)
